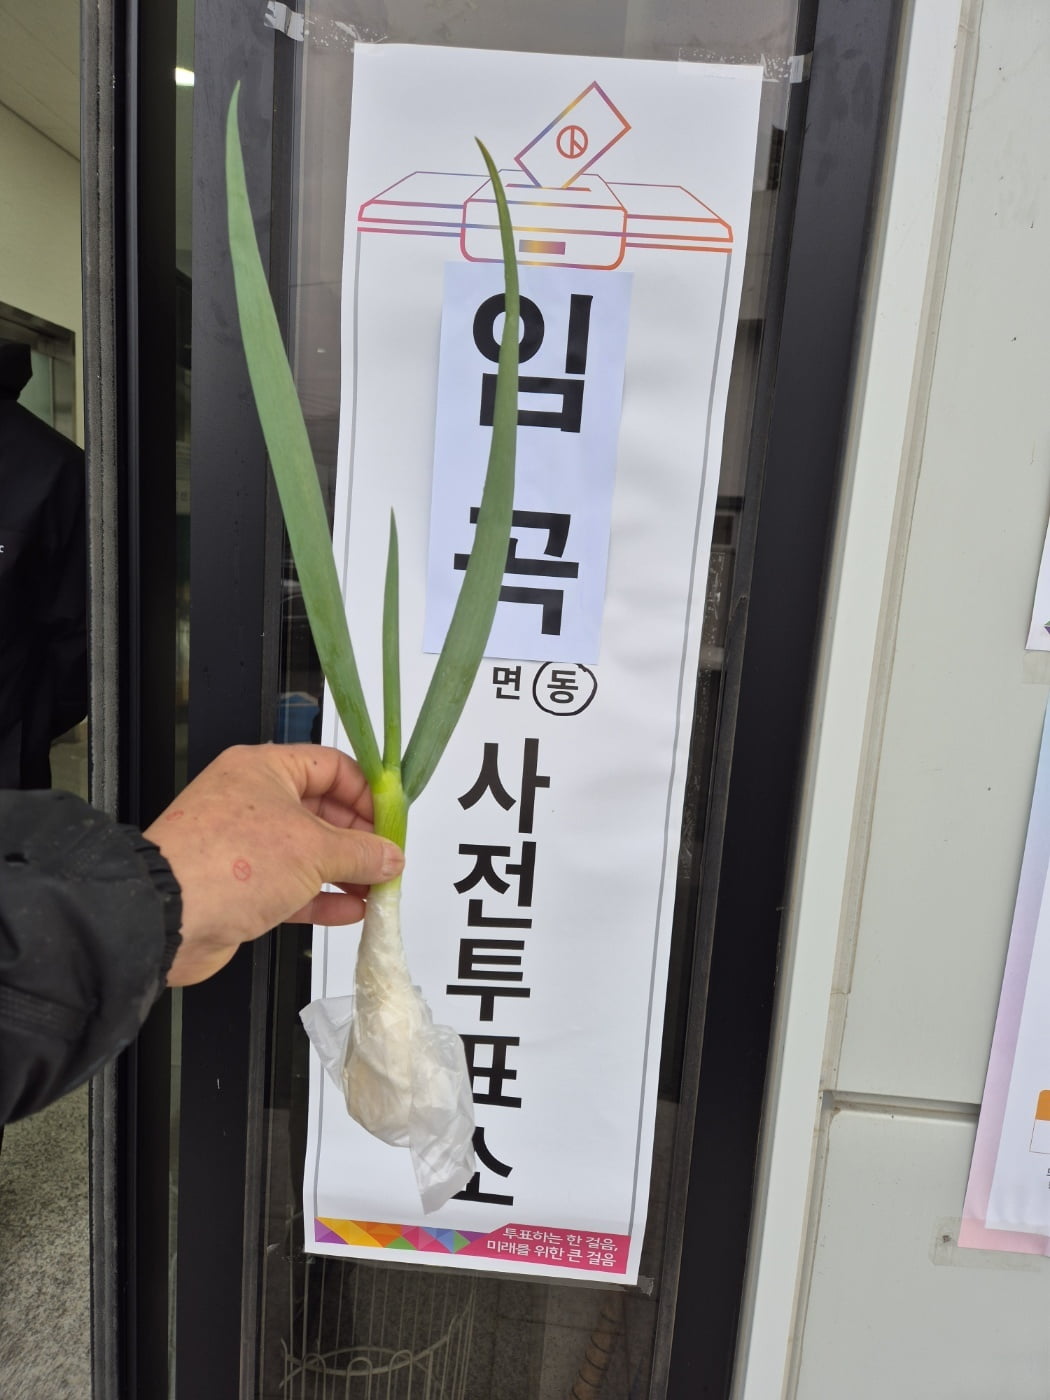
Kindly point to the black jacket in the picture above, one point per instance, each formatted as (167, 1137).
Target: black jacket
(43, 582)
(89, 919)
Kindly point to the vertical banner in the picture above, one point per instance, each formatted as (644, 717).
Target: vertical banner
(542, 857)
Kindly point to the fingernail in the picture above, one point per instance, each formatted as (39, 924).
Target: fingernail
(393, 860)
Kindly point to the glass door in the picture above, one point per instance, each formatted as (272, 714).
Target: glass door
(253, 1314)
(330, 1328)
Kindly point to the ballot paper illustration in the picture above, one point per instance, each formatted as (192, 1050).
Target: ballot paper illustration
(564, 214)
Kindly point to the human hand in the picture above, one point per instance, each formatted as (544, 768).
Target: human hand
(253, 839)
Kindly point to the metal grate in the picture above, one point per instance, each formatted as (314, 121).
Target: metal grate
(362, 1331)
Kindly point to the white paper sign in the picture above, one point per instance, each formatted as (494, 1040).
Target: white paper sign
(1039, 627)
(1020, 1195)
(573, 352)
(542, 857)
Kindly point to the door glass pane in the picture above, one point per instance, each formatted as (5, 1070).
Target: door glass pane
(183, 78)
(331, 1328)
(50, 395)
(183, 194)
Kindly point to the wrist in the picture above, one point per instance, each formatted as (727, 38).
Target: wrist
(169, 892)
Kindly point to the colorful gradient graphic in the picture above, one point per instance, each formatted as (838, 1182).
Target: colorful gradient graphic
(516, 1244)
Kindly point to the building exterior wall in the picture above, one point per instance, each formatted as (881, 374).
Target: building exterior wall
(921, 765)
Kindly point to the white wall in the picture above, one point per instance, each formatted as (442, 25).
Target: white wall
(40, 230)
(921, 765)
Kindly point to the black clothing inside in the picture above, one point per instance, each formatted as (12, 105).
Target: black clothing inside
(43, 582)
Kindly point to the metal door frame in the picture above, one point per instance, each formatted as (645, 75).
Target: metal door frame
(127, 131)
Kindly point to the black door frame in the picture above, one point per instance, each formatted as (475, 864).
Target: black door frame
(836, 129)
(127, 197)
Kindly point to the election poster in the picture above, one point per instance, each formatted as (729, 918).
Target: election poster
(542, 857)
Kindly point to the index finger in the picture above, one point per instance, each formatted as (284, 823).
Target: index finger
(330, 783)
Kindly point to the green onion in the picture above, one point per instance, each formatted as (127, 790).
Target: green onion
(400, 1079)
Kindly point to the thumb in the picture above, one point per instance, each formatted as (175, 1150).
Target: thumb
(360, 858)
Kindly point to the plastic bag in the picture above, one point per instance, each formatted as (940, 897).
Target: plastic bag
(403, 1078)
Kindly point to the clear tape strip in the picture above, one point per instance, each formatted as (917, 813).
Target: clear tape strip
(322, 33)
(285, 20)
(776, 68)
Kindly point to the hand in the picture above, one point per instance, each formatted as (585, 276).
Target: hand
(253, 839)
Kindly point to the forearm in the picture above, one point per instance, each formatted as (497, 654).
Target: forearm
(89, 917)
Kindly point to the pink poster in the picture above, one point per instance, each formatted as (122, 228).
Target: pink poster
(1007, 1202)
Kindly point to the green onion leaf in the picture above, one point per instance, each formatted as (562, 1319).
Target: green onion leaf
(468, 632)
(391, 657)
(292, 460)
(307, 523)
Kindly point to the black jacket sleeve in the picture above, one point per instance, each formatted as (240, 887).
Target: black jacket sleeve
(89, 920)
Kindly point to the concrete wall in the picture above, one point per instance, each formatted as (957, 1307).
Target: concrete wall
(921, 765)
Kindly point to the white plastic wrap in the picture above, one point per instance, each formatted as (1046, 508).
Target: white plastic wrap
(404, 1079)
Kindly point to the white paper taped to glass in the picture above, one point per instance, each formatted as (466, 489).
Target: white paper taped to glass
(543, 855)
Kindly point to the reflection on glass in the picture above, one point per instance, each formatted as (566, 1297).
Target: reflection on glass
(183, 290)
(182, 390)
(54, 679)
(354, 1329)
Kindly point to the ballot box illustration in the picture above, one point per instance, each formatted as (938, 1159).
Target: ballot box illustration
(581, 220)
